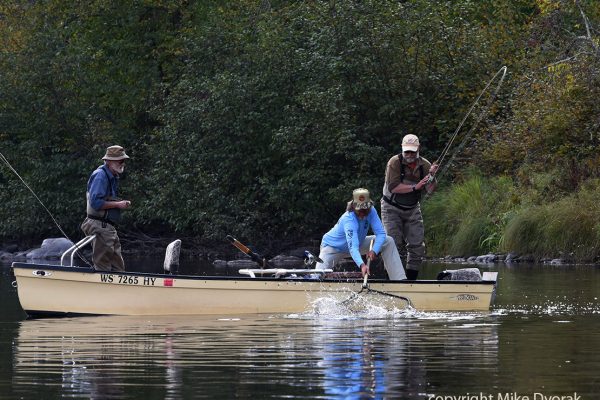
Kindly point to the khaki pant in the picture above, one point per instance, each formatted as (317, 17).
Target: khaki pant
(106, 245)
(389, 253)
(406, 227)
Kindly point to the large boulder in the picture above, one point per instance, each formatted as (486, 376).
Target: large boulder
(486, 259)
(242, 264)
(463, 274)
(511, 258)
(282, 261)
(52, 249)
(22, 255)
(6, 257)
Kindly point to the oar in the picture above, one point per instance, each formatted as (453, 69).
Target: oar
(365, 285)
(257, 258)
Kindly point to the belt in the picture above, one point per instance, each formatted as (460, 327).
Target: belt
(101, 219)
(391, 203)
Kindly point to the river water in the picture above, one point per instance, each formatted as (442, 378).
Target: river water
(540, 339)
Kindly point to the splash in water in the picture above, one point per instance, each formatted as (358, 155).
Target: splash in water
(551, 308)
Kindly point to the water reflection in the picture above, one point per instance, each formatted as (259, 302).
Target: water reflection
(94, 357)
(113, 357)
(351, 368)
(371, 359)
(541, 336)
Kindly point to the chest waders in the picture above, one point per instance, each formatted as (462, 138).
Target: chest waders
(110, 216)
(405, 201)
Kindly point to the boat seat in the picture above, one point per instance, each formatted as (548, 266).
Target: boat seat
(171, 264)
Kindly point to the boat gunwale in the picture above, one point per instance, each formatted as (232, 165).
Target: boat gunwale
(87, 270)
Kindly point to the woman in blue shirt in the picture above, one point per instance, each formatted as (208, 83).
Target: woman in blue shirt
(349, 238)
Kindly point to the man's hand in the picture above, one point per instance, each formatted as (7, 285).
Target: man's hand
(433, 169)
(422, 183)
(123, 204)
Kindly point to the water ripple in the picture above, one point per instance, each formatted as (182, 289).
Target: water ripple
(550, 308)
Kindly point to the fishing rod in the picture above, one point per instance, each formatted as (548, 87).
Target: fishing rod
(257, 258)
(10, 167)
(502, 73)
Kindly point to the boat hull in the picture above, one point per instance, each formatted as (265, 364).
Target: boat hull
(45, 290)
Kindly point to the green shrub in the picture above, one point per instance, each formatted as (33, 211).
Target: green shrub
(469, 217)
(567, 228)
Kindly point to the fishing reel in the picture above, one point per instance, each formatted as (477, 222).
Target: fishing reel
(310, 259)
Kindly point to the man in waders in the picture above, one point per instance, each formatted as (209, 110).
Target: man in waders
(406, 176)
(349, 238)
(104, 210)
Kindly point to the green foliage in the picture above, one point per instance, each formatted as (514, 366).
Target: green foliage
(259, 118)
(282, 112)
(75, 78)
(552, 124)
(469, 218)
(568, 227)
(483, 215)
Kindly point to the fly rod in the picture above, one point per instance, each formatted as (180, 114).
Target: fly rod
(13, 170)
(501, 73)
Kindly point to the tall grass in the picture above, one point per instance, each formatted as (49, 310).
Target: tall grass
(483, 215)
(567, 228)
(469, 217)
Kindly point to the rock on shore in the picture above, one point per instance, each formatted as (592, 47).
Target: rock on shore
(510, 258)
(51, 249)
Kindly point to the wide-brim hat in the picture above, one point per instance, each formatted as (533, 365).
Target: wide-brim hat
(410, 143)
(361, 199)
(115, 153)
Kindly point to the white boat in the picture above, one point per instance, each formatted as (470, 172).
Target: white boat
(58, 290)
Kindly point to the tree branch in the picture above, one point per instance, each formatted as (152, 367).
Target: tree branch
(587, 26)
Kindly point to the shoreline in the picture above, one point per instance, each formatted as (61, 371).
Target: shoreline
(286, 254)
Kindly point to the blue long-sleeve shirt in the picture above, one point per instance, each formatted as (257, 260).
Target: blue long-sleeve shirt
(349, 232)
(102, 184)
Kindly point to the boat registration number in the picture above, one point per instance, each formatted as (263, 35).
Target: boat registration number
(127, 280)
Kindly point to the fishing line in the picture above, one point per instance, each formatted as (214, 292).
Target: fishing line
(42, 204)
(483, 113)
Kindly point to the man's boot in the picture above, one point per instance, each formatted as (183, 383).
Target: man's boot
(411, 274)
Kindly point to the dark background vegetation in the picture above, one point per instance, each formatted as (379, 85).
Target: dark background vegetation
(258, 118)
